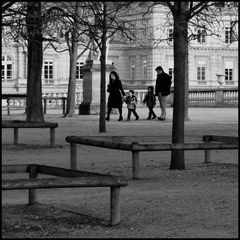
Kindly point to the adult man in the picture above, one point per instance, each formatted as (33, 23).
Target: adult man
(162, 90)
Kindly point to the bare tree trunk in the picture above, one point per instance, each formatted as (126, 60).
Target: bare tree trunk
(73, 52)
(186, 117)
(34, 108)
(102, 122)
(180, 55)
(70, 111)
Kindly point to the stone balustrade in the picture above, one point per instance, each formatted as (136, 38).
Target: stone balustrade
(218, 97)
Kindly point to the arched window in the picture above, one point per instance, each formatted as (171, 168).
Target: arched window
(7, 68)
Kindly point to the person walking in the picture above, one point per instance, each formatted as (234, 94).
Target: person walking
(162, 90)
(116, 93)
(131, 101)
(150, 101)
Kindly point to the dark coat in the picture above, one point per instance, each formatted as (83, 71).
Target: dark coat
(116, 92)
(163, 84)
(150, 100)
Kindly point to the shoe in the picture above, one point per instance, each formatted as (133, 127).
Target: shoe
(137, 118)
(161, 119)
(154, 117)
(107, 118)
(120, 118)
(128, 119)
(149, 118)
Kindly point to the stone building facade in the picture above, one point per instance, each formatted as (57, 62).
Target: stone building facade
(208, 57)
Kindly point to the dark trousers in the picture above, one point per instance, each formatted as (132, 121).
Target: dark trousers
(130, 111)
(110, 109)
(151, 112)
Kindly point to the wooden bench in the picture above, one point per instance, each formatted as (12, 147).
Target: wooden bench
(65, 179)
(16, 124)
(131, 144)
(217, 138)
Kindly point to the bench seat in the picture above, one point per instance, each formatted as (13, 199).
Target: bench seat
(64, 178)
(15, 124)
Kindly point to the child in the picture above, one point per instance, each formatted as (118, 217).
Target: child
(131, 101)
(150, 101)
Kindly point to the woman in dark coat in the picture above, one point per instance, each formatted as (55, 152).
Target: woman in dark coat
(115, 95)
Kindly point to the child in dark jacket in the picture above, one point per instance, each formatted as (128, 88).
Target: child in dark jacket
(150, 101)
(131, 101)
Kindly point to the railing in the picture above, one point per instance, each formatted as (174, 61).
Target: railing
(218, 97)
(50, 100)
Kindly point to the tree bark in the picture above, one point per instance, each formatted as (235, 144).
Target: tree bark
(180, 55)
(186, 117)
(34, 108)
(73, 52)
(102, 122)
(70, 110)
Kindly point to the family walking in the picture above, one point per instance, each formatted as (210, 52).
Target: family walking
(117, 96)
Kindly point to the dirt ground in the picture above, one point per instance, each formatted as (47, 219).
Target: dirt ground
(198, 202)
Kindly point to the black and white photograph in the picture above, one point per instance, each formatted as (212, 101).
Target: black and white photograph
(119, 119)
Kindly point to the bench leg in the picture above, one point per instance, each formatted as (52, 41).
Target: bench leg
(135, 164)
(114, 206)
(207, 152)
(73, 156)
(207, 156)
(15, 142)
(32, 193)
(52, 137)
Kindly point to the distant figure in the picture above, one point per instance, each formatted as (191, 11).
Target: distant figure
(131, 101)
(116, 93)
(150, 101)
(162, 90)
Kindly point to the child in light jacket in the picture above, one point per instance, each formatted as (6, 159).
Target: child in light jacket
(150, 101)
(131, 102)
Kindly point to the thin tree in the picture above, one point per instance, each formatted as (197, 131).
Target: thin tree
(182, 13)
(107, 21)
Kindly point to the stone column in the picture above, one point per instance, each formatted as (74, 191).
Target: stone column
(91, 87)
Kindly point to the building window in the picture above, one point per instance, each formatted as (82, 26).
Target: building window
(201, 35)
(228, 35)
(145, 70)
(79, 70)
(48, 71)
(170, 34)
(229, 76)
(170, 72)
(201, 74)
(7, 68)
(133, 70)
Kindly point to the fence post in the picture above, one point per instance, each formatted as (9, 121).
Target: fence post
(114, 205)
(135, 162)
(219, 97)
(32, 193)
(64, 104)
(8, 106)
(45, 106)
